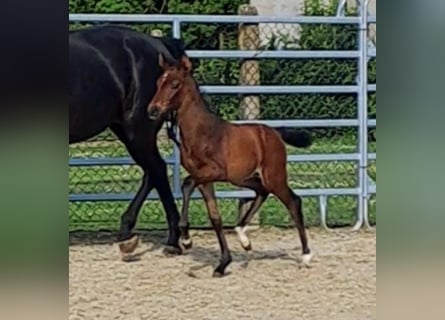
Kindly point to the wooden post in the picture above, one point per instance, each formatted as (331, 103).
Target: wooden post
(249, 39)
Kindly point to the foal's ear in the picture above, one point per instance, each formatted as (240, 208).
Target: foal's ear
(186, 63)
(161, 61)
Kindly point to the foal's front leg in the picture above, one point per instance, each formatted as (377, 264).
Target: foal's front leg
(208, 194)
(188, 185)
(261, 196)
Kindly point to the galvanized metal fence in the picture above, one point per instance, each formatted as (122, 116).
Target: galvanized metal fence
(115, 170)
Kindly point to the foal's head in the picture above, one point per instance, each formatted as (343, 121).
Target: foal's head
(171, 85)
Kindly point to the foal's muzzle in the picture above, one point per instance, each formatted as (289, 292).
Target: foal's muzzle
(154, 113)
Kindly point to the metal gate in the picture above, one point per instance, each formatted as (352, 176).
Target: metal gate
(365, 186)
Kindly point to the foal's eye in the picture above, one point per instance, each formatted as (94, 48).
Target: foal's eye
(175, 84)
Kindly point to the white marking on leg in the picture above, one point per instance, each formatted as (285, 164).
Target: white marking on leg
(186, 242)
(306, 258)
(243, 238)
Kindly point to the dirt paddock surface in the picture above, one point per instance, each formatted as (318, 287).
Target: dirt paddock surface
(265, 284)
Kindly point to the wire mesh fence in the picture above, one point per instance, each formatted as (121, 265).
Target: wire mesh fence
(126, 179)
(232, 71)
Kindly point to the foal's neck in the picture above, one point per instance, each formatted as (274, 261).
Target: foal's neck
(194, 119)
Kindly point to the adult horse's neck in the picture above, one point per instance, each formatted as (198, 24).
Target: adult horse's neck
(194, 119)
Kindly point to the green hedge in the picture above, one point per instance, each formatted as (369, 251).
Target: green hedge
(273, 71)
(318, 72)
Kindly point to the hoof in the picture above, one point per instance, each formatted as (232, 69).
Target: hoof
(130, 257)
(187, 243)
(248, 247)
(306, 259)
(128, 246)
(172, 251)
(220, 269)
(217, 274)
(243, 238)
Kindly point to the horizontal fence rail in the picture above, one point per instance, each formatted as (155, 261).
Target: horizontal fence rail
(273, 54)
(365, 187)
(219, 194)
(282, 89)
(118, 161)
(311, 123)
(185, 18)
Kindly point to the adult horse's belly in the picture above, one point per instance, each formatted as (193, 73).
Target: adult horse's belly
(94, 97)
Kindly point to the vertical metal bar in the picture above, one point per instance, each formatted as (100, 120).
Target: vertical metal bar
(323, 201)
(176, 152)
(364, 119)
(341, 8)
(363, 116)
(366, 59)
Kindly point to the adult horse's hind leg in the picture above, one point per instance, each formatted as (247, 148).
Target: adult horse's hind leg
(208, 194)
(146, 155)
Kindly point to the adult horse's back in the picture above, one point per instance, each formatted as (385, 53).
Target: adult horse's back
(113, 73)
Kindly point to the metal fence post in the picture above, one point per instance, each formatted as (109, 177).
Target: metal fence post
(176, 153)
(249, 39)
(363, 116)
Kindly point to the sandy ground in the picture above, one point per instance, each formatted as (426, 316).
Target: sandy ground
(266, 284)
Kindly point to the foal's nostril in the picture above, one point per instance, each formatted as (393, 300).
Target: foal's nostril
(153, 113)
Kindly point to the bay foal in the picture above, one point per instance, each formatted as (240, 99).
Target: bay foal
(213, 150)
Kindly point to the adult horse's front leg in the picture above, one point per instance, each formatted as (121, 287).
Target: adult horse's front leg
(160, 181)
(145, 153)
(261, 196)
(126, 239)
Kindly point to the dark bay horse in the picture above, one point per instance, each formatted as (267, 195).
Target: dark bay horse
(112, 77)
(213, 150)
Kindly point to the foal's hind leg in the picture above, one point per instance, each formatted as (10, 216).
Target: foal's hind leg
(261, 195)
(293, 203)
(208, 194)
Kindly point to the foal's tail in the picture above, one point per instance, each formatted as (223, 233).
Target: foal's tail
(295, 137)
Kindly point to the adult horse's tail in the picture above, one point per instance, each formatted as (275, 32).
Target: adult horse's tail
(295, 137)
